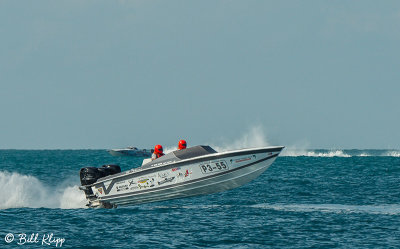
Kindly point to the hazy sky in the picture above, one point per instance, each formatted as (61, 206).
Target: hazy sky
(105, 74)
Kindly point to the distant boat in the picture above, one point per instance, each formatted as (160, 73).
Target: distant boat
(131, 151)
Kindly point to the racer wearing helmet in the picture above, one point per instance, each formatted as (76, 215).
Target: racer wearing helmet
(158, 152)
(182, 145)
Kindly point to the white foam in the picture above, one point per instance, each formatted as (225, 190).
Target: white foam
(27, 191)
(73, 198)
(389, 209)
(333, 153)
(303, 150)
(392, 153)
(168, 149)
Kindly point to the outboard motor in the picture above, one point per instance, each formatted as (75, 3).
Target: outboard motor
(107, 170)
(90, 175)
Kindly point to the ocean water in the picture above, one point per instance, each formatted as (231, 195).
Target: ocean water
(306, 199)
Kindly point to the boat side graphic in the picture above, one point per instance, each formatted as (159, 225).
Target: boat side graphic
(198, 170)
(187, 182)
(140, 172)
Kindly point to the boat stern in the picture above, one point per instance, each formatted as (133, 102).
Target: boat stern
(89, 177)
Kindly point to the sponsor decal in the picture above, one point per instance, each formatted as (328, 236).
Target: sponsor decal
(175, 169)
(242, 159)
(122, 187)
(107, 184)
(131, 182)
(163, 163)
(165, 180)
(146, 183)
(100, 190)
(184, 175)
(134, 187)
(143, 181)
(163, 174)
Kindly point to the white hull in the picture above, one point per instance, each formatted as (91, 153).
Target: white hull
(200, 175)
(203, 187)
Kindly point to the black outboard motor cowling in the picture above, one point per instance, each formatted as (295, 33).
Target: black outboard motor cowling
(107, 170)
(90, 175)
(112, 168)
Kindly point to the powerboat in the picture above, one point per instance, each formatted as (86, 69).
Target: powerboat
(131, 151)
(197, 170)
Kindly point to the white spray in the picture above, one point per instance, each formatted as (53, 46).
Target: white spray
(27, 191)
(254, 137)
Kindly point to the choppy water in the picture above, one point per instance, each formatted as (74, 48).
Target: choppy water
(306, 199)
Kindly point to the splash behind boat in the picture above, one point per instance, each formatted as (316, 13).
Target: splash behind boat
(193, 171)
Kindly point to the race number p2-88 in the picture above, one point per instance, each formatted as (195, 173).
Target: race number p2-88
(213, 167)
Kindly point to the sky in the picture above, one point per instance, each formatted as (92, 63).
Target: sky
(108, 74)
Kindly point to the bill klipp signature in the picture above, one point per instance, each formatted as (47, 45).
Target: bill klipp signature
(35, 238)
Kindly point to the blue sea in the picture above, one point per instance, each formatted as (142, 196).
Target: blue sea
(306, 199)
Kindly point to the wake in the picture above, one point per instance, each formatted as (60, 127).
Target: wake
(27, 191)
(296, 153)
(386, 209)
(338, 153)
(383, 209)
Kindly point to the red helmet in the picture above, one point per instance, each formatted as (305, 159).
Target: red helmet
(158, 149)
(182, 144)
